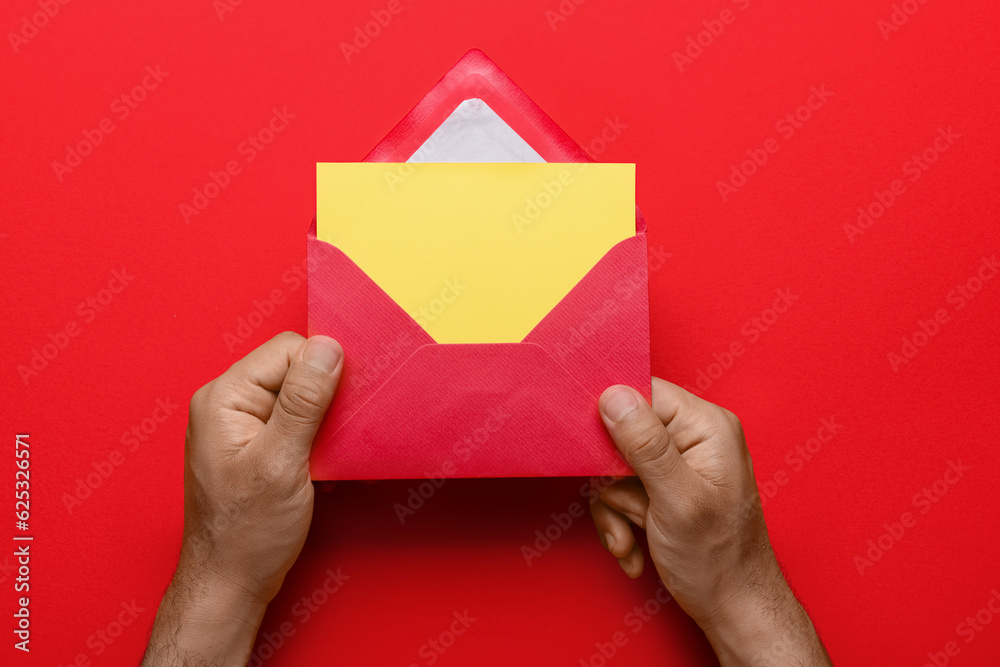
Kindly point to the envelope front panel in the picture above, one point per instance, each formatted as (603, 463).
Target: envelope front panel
(410, 408)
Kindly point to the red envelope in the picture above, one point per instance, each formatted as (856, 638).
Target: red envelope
(408, 407)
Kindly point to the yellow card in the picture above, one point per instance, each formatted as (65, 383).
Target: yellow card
(475, 252)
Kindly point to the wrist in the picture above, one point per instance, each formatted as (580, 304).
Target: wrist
(760, 622)
(205, 619)
(744, 628)
(224, 575)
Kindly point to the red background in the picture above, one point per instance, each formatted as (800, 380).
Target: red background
(163, 335)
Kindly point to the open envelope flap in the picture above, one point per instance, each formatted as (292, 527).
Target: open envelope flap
(476, 76)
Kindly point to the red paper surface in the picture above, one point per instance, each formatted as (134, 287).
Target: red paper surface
(608, 69)
(408, 407)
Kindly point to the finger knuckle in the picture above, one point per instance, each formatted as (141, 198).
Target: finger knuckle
(289, 338)
(649, 441)
(729, 420)
(200, 400)
(301, 401)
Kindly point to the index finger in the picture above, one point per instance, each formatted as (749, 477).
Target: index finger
(267, 365)
(251, 384)
(689, 419)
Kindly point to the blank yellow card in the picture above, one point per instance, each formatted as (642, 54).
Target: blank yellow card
(475, 253)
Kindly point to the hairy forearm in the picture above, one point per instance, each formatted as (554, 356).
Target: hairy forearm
(203, 623)
(769, 628)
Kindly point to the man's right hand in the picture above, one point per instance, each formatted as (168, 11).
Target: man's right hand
(697, 499)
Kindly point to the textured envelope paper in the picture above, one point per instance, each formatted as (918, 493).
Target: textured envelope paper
(475, 253)
(479, 332)
(409, 406)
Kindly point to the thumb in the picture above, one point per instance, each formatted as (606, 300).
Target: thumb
(644, 441)
(305, 395)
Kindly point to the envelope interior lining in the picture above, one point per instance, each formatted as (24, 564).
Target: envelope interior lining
(475, 133)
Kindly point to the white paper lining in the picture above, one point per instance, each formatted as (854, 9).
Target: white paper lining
(475, 133)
